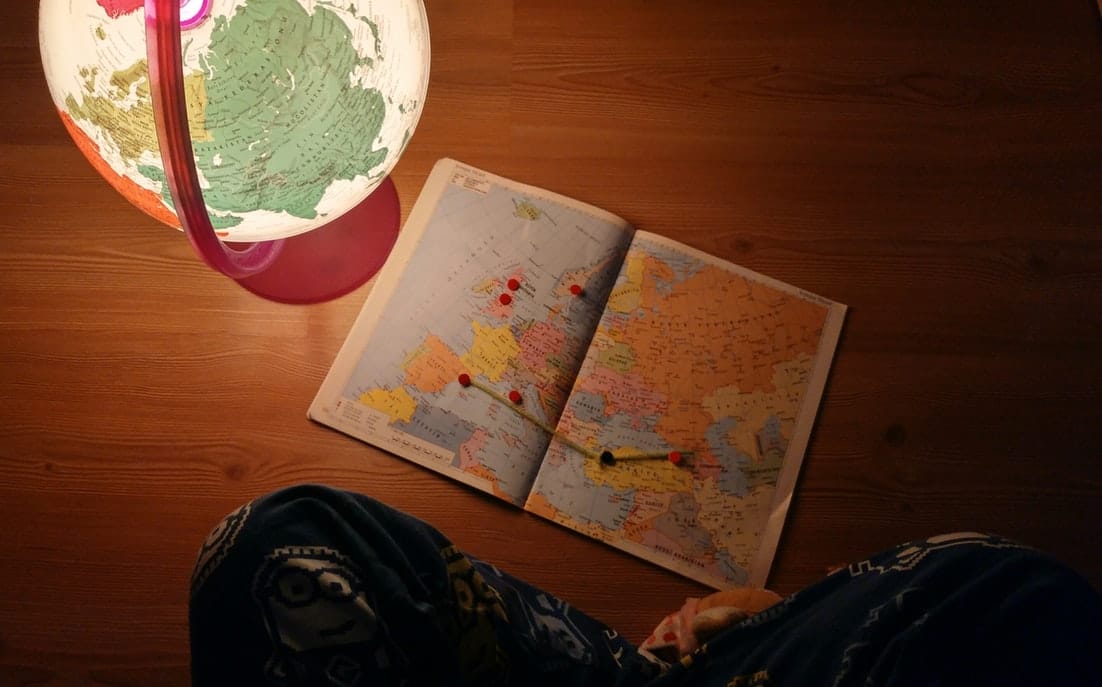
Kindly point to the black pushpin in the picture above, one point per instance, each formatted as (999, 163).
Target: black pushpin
(607, 458)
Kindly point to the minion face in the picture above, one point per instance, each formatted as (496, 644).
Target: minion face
(315, 604)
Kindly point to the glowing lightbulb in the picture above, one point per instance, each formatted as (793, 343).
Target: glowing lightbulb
(193, 12)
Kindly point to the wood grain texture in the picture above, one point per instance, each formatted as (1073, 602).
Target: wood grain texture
(937, 168)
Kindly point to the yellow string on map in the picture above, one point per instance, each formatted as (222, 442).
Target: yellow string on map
(514, 402)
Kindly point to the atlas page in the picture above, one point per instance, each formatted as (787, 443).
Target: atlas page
(465, 350)
(684, 433)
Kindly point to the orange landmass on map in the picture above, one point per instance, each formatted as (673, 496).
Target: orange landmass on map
(772, 326)
(625, 390)
(432, 366)
(694, 324)
(145, 200)
(539, 505)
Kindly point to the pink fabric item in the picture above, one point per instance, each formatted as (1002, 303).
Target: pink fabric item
(674, 637)
(682, 632)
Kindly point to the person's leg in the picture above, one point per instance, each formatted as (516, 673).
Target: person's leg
(962, 609)
(316, 586)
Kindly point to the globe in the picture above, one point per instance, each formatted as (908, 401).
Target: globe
(291, 113)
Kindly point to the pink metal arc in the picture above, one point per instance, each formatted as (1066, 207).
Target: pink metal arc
(166, 72)
(198, 13)
(313, 267)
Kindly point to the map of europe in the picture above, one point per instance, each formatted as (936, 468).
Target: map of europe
(615, 382)
(690, 356)
(447, 318)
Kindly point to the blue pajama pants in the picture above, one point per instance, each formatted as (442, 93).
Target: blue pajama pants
(316, 586)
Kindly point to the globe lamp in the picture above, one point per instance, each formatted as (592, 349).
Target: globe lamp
(265, 129)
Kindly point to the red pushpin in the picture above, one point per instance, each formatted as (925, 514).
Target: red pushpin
(675, 457)
(513, 284)
(464, 379)
(505, 299)
(576, 289)
(515, 396)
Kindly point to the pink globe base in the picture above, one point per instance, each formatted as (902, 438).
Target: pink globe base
(333, 259)
(316, 266)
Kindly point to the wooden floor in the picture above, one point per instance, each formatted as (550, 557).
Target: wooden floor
(939, 169)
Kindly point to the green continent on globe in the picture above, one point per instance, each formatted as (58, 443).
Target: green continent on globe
(274, 114)
(281, 102)
(217, 220)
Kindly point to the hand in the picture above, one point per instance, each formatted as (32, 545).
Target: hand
(698, 620)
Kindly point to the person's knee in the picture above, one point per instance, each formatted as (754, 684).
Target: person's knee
(303, 516)
(292, 581)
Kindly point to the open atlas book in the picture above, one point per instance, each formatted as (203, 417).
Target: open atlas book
(614, 381)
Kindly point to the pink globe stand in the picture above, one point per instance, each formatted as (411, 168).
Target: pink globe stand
(316, 266)
(331, 261)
